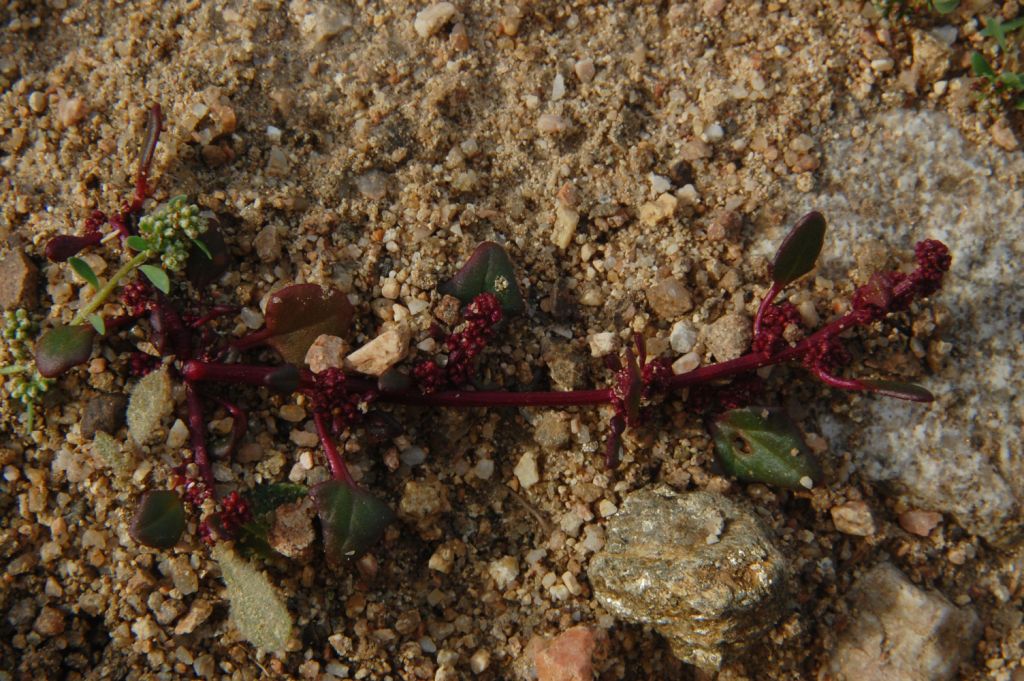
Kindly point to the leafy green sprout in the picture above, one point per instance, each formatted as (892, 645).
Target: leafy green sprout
(21, 380)
(1005, 85)
(168, 232)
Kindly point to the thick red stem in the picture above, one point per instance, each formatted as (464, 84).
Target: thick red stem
(197, 434)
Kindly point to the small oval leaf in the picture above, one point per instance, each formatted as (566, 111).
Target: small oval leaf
(137, 243)
(899, 390)
(298, 314)
(98, 323)
(63, 347)
(83, 270)
(488, 270)
(760, 444)
(62, 247)
(799, 250)
(352, 520)
(980, 66)
(160, 519)
(157, 277)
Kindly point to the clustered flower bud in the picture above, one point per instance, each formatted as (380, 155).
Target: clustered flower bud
(19, 332)
(171, 229)
(770, 336)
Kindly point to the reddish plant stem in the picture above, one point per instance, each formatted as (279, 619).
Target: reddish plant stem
(768, 299)
(239, 426)
(197, 434)
(154, 125)
(339, 471)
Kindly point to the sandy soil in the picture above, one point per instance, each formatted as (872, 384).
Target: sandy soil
(340, 146)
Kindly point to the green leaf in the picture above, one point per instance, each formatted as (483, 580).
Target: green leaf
(97, 323)
(202, 247)
(266, 497)
(352, 520)
(488, 270)
(63, 347)
(159, 520)
(83, 270)
(205, 265)
(298, 314)
(899, 390)
(980, 66)
(799, 250)
(158, 277)
(137, 243)
(945, 6)
(760, 444)
(257, 609)
(263, 502)
(1014, 81)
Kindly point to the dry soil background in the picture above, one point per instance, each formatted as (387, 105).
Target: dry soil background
(613, 147)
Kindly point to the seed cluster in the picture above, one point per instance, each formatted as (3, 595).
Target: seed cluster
(172, 229)
(19, 331)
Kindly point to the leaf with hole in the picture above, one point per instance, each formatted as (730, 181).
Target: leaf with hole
(352, 520)
(297, 315)
(157, 277)
(899, 390)
(83, 270)
(211, 257)
(137, 243)
(97, 323)
(488, 270)
(63, 347)
(799, 250)
(761, 444)
(159, 520)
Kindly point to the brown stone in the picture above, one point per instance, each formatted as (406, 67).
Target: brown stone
(567, 657)
(19, 278)
(669, 299)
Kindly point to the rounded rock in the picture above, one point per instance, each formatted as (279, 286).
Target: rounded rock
(698, 567)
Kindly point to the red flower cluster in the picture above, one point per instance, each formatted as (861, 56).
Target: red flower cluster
(481, 317)
(770, 336)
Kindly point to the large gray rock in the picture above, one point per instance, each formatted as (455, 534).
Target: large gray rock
(908, 176)
(698, 567)
(899, 632)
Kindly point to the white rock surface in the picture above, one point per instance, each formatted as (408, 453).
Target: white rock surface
(900, 632)
(909, 176)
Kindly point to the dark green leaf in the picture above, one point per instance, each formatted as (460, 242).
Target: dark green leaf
(799, 250)
(63, 347)
(205, 266)
(158, 277)
(980, 66)
(945, 6)
(759, 444)
(202, 247)
(137, 243)
(84, 271)
(296, 315)
(352, 520)
(159, 520)
(900, 390)
(97, 323)
(263, 501)
(488, 270)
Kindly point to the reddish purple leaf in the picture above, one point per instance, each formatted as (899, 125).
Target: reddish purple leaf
(203, 270)
(297, 315)
(799, 250)
(352, 520)
(488, 270)
(63, 347)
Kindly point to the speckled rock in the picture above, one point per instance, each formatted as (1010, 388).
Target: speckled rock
(962, 454)
(103, 412)
(698, 567)
(18, 280)
(902, 633)
(728, 337)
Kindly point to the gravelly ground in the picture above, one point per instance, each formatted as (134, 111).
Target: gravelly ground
(339, 146)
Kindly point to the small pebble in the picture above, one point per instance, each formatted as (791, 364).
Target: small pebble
(479, 661)
(603, 343)
(854, 518)
(551, 124)
(37, 102)
(526, 470)
(918, 522)
(686, 363)
(429, 20)
(585, 70)
(558, 88)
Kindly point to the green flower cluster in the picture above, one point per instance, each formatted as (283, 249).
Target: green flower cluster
(172, 229)
(22, 381)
